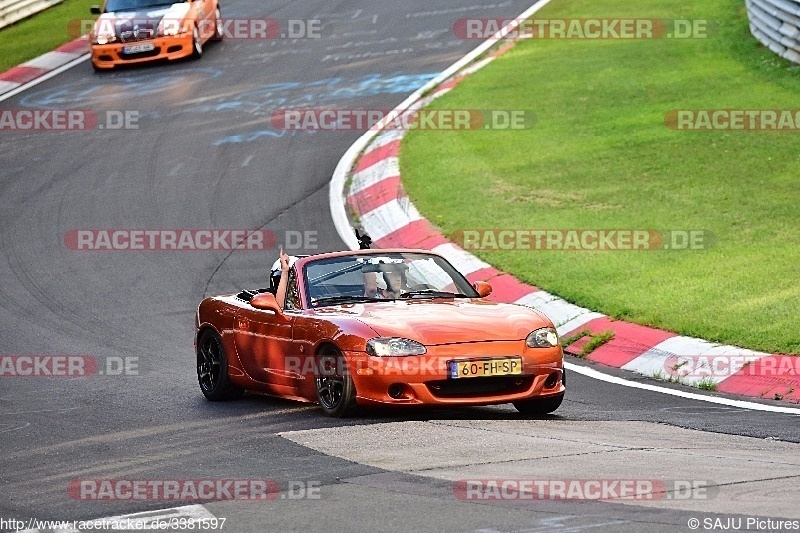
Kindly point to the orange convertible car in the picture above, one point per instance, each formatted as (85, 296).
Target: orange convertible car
(379, 327)
(134, 31)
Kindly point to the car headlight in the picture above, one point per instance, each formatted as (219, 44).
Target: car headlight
(542, 338)
(394, 347)
(104, 38)
(170, 28)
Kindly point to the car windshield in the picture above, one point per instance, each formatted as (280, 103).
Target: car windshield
(135, 5)
(383, 276)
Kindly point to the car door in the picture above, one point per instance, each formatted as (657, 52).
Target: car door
(264, 342)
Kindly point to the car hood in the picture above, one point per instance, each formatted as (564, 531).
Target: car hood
(446, 321)
(145, 18)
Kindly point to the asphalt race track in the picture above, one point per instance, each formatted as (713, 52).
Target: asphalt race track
(205, 156)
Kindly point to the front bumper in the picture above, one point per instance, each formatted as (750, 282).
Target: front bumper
(424, 380)
(169, 48)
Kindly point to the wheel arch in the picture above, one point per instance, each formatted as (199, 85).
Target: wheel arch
(327, 344)
(202, 328)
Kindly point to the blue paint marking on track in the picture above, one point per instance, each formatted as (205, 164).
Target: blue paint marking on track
(266, 100)
(259, 102)
(118, 87)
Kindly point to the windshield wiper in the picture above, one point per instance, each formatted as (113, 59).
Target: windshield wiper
(333, 300)
(434, 294)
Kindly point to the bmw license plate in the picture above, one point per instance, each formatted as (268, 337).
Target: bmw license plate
(478, 368)
(138, 48)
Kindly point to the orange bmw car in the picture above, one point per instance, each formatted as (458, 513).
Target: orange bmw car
(135, 31)
(379, 328)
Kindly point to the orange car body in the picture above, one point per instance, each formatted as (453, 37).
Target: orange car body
(275, 351)
(143, 34)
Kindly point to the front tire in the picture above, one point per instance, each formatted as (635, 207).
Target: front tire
(540, 406)
(212, 369)
(336, 392)
(218, 31)
(197, 44)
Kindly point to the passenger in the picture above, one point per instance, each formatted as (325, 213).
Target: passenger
(283, 281)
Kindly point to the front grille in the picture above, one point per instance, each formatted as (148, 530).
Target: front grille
(489, 386)
(133, 34)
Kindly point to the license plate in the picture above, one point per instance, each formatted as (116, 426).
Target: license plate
(478, 368)
(138, 48)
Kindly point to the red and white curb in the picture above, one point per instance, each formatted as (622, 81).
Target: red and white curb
(370, 169)
(38, 69)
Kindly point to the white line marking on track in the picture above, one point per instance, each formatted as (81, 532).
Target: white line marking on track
(594, 374)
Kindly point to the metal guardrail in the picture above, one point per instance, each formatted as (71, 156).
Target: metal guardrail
(13, 10)
(776, 24)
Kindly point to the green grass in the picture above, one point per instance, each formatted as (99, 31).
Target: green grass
(600, 156)
(566, 341)
(596, 341)
(662, 376)
(36, 35)
(707, 383)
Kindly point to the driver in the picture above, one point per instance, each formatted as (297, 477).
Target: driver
(394, 284)
(391, 284)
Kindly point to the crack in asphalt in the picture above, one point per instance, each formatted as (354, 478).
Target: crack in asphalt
(259, 228)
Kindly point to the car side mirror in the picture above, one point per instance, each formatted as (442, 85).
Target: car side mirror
(94, 10)
(266, 302)
(483, 288)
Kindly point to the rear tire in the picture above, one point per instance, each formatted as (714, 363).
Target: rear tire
(336, 392)
(212, 369)
(541, 406)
